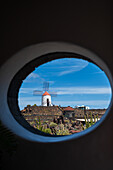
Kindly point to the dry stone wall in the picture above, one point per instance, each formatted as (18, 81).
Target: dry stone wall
(31, 113)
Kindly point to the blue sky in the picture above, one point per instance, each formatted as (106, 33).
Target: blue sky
(76, 82)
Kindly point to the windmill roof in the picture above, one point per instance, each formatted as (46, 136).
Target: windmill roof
(46, 93)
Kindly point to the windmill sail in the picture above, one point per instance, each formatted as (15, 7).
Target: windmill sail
(53, 94)
(37, 93)
(46, 86)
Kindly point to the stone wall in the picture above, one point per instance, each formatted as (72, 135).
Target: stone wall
(80, 113)
(45, 113)
(31, 113)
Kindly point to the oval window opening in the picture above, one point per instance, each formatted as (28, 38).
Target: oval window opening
(64, 96)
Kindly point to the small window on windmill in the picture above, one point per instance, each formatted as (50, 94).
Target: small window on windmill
(64, 96)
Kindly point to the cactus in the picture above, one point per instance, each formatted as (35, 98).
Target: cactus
(91, 119)
(48, 130)
(87, 121)
(52, 124)
(89, 124)
(38, 124)
(94, 118)
(63, 132)
(97, 117)
(82, 127)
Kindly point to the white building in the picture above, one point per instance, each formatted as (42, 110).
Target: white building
(46, 99)
(87, 107)
(82, 107)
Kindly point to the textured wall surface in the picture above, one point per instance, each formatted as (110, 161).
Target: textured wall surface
(88, 24)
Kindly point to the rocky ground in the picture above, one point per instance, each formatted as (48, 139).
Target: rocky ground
(59, 126)
(51, 119)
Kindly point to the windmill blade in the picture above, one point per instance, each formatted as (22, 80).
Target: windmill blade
(46, 86)
(37, 93)
(53, 94)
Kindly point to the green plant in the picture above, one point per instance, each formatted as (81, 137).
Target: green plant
(89, 121)
(94, 118)
(61, 126)
(66, 121)
(82, 127)
(97, 117)
(48, 130)
(72, 121)
(28, 105)
(46, 121)
(87, 125)
(38, 124)
(41, 127)
(52, 124)
(63, 132)
(31, 123)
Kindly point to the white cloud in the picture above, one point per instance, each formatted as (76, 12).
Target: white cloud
(90, 103)
(33, 76)
(24, 101)
(72, 68)
(27, 99)
(26, 90)
(81, 102)
(71, 90)
(69, 70)
(82, 90)
(98, 72)
(64, 66)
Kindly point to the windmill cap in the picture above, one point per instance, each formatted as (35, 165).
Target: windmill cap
(46, 93)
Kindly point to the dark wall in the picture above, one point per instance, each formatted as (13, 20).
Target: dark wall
(88, 24)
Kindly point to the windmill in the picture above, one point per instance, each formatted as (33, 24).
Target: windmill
(46, 97)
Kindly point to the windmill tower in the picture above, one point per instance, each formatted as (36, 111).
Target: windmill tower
(46, 97)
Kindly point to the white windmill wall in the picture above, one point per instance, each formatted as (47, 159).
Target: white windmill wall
(44, 100)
